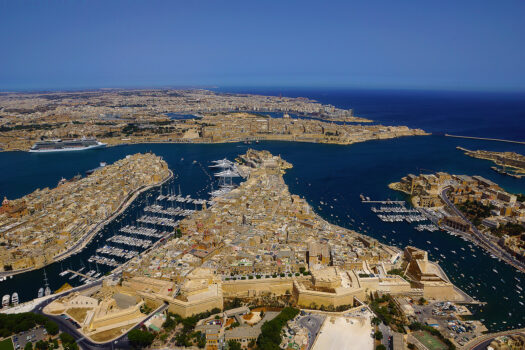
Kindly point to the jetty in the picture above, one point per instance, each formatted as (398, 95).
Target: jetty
(485, 139)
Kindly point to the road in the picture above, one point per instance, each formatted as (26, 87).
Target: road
(313, 323)
(480, 237)
(386, 334)
(121, 342)
(482, 342)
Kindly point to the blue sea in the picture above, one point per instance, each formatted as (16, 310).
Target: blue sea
(335, 175)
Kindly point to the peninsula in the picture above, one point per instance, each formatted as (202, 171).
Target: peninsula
(193, 116)
(474, 207)
(49, 224)
(511, 163)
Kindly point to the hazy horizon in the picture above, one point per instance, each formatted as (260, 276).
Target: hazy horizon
(446, 45)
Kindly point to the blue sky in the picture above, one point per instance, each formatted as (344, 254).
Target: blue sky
(464, 44)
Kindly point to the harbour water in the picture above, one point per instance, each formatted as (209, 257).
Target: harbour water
(330, 177)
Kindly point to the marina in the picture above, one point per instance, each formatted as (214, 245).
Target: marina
(135, 242)
(396, 211)
(118, 252)
(142, 231)
(155, 220)
(159, 209)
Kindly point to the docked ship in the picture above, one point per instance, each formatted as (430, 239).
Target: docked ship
(66, 145)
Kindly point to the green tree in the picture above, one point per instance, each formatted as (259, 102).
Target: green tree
(51, 327)
(233, 345)
(378, 335)
(376, 321)
(66, 338)
(380, 347)
(29, 346)
(71, 346)
(41, 345)
(140, 339)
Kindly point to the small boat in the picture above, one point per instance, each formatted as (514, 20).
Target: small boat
(47, 291)
(41, 292)
(496, 271)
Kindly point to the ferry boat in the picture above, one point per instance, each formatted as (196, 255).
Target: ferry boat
(66, 145)
(5, 300)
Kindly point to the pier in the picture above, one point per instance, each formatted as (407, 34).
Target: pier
(141, 231)
(77, 273)
(155, 220)
(383, 202)
(118, 252)
(135, 242)
(158, 209)
(103, 260)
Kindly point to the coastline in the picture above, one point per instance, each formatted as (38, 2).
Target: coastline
(86, 239)
(237, 140)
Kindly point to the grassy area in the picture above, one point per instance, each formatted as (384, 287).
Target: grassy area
(387, 311)
(475, 211)
(508, 229)
(109, 334)
(428, 340)
(78, 313)
(6, 344)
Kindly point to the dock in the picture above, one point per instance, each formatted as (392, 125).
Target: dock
(79, 274)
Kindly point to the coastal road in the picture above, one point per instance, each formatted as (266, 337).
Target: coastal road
(480, 237)
(481, 342)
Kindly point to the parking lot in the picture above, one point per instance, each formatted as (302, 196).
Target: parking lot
(32, 335)
(444, 316)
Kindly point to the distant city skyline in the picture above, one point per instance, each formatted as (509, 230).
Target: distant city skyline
(442, 45)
